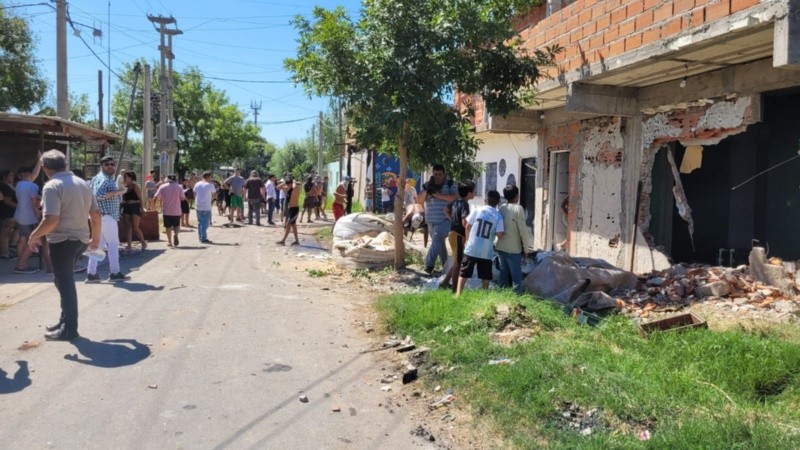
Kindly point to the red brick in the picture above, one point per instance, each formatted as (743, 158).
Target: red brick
(575, 36)
(627, 27)
(632, 42)
(698, 17)
(585, 16)
(663, 12)
(718, 10)
(651, 35)
(634, 8)
(589, 29)
(683, 5)
(601, 53)
(603, 22)
(671, 28)
(649, 4)
(618, 15)
(611, 34)
(572, 23)
(644, 20)
(596, 41)
(616, 48)
(589, 3)
(738, 5)
(597, 11)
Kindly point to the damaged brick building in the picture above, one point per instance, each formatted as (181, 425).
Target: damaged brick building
(653, 118)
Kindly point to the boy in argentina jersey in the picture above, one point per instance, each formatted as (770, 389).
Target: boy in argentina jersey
(483, 224)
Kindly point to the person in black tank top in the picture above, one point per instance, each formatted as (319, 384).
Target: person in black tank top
(132, 210)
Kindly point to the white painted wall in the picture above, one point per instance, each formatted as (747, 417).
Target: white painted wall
(512, 148)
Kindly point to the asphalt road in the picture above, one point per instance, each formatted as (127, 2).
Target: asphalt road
(207, 346)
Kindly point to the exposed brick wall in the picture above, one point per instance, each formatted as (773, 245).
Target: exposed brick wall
(591, 31)
(566, 136)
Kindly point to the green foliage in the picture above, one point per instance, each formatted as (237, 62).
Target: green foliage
(360, 273)
(211, 130)
(698, 389)
(294, 158)
(315, 273)
(409, 57)
(21, 83)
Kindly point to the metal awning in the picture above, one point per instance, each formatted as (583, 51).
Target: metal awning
(47, 128)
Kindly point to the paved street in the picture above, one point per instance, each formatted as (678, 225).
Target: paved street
(207, 346)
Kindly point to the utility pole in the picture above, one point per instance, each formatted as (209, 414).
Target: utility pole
(62, 94)
(255, 109)
(319, 150)
(147, 127)
(100, 99)
(166, 127)
(341, 137)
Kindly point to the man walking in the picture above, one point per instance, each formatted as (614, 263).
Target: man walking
(67, 201)
(292, 190)
(109, 198)
(171, 194)
(235, 184)
(254, 192)
(271, 198)
(27, 214)
(437, 194)
(204, 194)
(515, 242)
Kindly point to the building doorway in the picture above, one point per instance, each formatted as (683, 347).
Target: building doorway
(559, 196)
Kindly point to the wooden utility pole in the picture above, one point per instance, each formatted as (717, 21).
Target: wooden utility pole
(62, 94)
(319, 149)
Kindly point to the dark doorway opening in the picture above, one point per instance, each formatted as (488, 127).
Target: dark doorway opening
(728, 218)
(527, 196)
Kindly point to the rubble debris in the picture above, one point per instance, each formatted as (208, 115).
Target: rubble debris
(444, 401)
(423, 433)
(410, 374)
(770, 272)
(681, 202)
(303, 399)
(573, 417)
(675, 323)
(557, 272)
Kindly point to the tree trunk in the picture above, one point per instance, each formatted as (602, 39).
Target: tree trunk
(399, 210)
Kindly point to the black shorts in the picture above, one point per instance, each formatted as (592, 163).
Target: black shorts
(291, 215)
(185, 206)
(484, 267)
(132, 209)
(172, 221)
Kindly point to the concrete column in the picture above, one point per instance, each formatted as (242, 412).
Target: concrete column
(539, 217)
(787, 37)
(631, 175)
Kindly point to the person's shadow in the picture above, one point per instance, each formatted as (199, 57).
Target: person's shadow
(20, 381)
(109, 353)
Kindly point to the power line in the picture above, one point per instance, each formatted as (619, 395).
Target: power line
(289, 121)
(250, 81)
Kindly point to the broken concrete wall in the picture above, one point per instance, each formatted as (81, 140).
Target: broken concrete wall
(597, 226)
(703, 122)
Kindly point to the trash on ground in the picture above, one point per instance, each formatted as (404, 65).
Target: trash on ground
(501, 362)
(303, 399)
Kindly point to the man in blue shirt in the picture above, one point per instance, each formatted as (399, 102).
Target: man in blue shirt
(483, 224)
(109, 198)
(437, 193)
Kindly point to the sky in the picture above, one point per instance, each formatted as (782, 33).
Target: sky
(240, 43)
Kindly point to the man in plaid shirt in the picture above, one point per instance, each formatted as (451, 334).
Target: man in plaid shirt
(109, 198)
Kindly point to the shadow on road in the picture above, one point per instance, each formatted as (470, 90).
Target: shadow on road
(138, 287)
(109, 353)
(20, 381)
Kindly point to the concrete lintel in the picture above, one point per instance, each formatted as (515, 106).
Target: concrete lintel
(741, 80)
(602, 100)
(522, 122)
(786, 52)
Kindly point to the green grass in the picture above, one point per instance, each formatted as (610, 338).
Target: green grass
(693, 390)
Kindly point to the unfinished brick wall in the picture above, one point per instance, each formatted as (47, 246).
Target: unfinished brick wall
(592, 31)
(705, 123)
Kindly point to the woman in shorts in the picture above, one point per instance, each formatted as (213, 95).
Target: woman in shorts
(132, 209)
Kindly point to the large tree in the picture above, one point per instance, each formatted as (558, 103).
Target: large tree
(21, 84)
(211, 130)
(398, 66)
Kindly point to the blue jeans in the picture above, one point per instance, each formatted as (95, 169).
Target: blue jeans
(439, 232)
(203, 222)
(270, 210)
(63, 256)
(510, 266)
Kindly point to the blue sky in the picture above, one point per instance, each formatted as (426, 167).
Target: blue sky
(227, 39)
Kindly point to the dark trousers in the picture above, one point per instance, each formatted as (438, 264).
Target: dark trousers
(270, 209)
(254, 206)
(64, 255)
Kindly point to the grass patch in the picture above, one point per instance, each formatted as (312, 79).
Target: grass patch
(698, 389)
(315, 273)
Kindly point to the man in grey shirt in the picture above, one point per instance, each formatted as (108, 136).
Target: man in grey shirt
(235, 185)
(67, 201)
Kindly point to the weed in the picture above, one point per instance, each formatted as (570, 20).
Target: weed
(314, 273)
(698, 389)
(360, 273)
